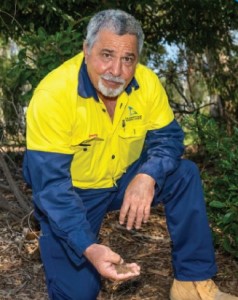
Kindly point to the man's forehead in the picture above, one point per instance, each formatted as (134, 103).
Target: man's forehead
(112, 42)
(113, 51)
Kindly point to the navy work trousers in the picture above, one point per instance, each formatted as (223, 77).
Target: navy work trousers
(192, 250)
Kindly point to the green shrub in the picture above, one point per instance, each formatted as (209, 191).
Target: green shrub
(220, 178)
(39, 53)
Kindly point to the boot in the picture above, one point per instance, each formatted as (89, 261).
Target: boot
(197, 290)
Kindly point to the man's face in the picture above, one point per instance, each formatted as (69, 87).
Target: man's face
(111, 62)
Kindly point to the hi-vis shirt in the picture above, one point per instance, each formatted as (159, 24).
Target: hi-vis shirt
(71, 141)
(64, 117)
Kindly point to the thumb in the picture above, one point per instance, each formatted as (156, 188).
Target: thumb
(116, 258)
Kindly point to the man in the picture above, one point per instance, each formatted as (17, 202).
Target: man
(101, 136)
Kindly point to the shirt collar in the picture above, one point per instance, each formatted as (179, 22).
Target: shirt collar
(87, 90)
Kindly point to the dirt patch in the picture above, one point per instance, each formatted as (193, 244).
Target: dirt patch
(21, 271)
(22, 277)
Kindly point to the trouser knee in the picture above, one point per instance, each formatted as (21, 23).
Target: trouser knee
(184, 182)
(189, 169)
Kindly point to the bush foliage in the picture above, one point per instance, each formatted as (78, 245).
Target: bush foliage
(21, 74)
(203, 76)
(219, 154)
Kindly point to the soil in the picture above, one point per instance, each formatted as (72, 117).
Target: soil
(21, 271)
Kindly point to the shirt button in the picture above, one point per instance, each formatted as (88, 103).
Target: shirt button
(85, 149)
(104, 110)
(113, 156)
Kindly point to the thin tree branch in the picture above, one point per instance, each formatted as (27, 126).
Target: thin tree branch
(4, 205)
(13, 186)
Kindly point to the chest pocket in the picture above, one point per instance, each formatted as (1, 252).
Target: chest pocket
(86, 142)
(86, 153)
(131, 141)
(86, 149)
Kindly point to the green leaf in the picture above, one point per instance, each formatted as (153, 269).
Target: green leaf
(217, 204)
(227, 245)
(228, 218)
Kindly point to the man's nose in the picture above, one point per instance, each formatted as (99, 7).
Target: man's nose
(116, 67)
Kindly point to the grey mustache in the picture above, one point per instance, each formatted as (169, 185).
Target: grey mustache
(113, 78)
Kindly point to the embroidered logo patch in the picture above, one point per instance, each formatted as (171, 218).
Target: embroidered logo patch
(132, 114)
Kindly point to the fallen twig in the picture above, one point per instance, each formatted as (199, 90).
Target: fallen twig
(14, 188)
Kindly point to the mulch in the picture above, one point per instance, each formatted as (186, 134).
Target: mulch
(21, 271)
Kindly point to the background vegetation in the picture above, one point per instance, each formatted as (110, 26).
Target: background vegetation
(191, 44)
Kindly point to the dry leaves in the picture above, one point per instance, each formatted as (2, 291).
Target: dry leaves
(22, 277)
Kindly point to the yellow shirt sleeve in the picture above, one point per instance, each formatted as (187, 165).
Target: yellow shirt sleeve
(49, 123)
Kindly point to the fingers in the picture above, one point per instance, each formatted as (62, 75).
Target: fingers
(107, 261)
(120, 271)
(137, 201)
(142, 216)
(135, 216)
(139, 217)
(146, 214)
(127, 268)
(126, 272)
(132, 216)
(123, 213)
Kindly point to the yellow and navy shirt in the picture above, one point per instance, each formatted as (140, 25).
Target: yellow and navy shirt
(71, 141)
(65, 116)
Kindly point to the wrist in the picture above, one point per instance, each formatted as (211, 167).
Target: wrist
(145, 177)
(90, 250)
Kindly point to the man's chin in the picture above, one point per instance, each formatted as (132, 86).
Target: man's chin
(111, 93)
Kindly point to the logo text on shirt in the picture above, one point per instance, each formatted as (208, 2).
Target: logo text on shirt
(133, 115)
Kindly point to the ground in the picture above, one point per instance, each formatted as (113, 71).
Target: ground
(21, 271)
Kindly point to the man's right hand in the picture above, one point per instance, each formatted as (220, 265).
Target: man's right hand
(106, 262)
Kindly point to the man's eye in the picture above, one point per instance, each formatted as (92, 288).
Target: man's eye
(106, 55)
(128, 59)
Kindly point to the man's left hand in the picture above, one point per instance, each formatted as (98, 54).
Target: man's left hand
(137, 201)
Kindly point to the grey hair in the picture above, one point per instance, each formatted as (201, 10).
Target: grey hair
(118, 22)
